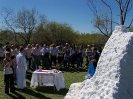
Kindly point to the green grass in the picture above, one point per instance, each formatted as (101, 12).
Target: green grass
(70, 77)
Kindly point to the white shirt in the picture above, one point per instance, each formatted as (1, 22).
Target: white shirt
(14, 52)
(88, 51)
(17, 50)
(8, 69)
(60, 53)
(28, 52)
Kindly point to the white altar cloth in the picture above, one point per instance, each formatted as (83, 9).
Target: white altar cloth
(48, 79)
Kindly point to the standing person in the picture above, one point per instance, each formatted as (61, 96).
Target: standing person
(17, 48)
(40, 57)
(28, 55)
(67, 47)
(45, 57)
(99, 50)
(82, 55)
(1, 52)
(94, 58)
(8, 73)
(60, 55)
(73, 55)
(21, 69)
(88, 54)
(67, 59)
(13, 51)
(78, 56)
(13, 56)
(36, 56)
(53, 54)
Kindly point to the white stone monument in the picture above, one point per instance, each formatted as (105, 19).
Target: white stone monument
(114, 74)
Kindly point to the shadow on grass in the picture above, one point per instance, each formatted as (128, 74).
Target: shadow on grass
(73, 70)
(28, 75)
(18, 96)
(51, 90)
(33, 93)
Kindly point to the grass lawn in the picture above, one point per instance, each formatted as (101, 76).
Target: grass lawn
(70, 77)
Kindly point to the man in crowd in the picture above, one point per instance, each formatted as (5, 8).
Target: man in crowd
(67, 47)
(36, 57)
(28, 55)
(13, 51)
(53, 52)
(45, 57)
(88, 54)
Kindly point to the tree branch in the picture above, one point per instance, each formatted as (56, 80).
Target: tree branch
(130, 24)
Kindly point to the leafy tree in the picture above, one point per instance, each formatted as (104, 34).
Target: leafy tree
(54, 32)
(6, 36)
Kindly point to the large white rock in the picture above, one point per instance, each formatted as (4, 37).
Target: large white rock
(114, 74)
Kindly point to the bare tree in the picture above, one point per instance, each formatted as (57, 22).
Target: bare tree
(8, 14)
(23, 23)
(124, 6)
(26, 21)
(103, 20)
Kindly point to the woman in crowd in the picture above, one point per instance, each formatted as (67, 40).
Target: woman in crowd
(8, 73)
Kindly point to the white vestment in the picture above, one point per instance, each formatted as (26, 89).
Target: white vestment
(21, 71)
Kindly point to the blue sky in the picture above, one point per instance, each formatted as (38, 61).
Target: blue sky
(74, 12)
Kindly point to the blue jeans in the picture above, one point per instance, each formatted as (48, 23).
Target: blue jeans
(35, 62)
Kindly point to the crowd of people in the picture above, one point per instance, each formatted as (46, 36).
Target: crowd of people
(17, 59)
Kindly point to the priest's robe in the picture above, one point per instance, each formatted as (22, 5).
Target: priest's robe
(21, 71)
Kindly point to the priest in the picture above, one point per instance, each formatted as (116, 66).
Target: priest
(21, 69)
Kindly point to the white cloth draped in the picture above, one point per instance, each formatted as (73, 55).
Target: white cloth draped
(48, 79)
(21, 71)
